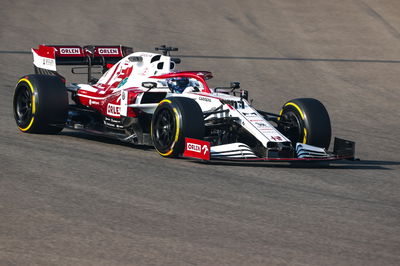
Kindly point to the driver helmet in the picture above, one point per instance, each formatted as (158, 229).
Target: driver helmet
(178, 85)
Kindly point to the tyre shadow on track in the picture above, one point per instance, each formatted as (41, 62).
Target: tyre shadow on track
(352, 165)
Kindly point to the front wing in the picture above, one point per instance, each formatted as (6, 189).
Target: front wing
(343, 150)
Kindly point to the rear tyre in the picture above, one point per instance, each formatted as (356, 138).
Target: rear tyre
(305, 120)
(175, 119)
(40, 104)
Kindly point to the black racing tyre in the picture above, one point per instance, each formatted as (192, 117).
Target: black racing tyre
(305, 120)
(175, 119)
(40, 104)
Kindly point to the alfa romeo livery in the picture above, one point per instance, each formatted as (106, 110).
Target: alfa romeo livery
(141, 98)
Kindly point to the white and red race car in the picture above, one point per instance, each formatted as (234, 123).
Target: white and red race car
(141, 98)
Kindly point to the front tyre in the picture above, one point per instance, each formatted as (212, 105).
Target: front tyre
(175, 119)
(40, 104)
(305, 120)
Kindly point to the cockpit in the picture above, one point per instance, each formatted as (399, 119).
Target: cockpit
(183, 85)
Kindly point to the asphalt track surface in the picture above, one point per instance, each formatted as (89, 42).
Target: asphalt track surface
(73, 199)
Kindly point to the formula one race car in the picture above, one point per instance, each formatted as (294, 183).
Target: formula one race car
(141, 98)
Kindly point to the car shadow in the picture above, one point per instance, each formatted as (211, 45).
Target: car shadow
(345, 164)
(103, 139)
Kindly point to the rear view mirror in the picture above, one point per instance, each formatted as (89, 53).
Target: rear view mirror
(235, 85)
(149, 85)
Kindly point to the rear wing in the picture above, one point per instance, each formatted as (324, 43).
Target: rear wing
(47, 57)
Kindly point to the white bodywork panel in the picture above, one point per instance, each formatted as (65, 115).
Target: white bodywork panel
(309, 151)
(44, 62)
(233, 150)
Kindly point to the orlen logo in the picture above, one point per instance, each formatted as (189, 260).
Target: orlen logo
(193, 147)
(108, 51)
(70, 51)
(113, 109)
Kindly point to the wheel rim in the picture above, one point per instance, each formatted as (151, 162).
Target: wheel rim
(164, 129)
(292, 127)
(23, 108)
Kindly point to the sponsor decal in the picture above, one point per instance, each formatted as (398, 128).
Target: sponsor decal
(91, 102)
(276, 138)
(108, 51)
(146, 55)
(111, 122)
(122, 83)
(249, 114)
(261, 124)
(195, 148)
(205, 99)
(113, 109)
(258, 123)
(235, 104)
(70, 51)
(48, 62)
